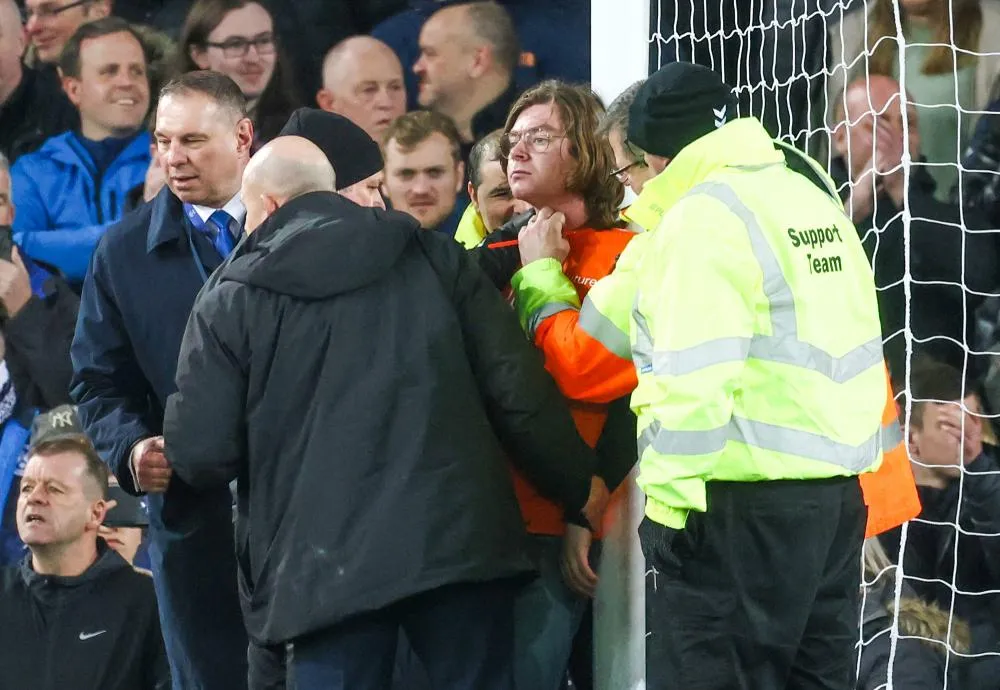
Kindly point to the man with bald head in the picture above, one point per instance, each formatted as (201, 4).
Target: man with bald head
(363, 81)
(281, 171)
(361, 378)
(870, 140)
(468, 54)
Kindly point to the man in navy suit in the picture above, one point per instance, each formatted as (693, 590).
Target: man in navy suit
(143, 278)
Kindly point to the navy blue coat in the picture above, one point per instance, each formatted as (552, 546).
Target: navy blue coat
(142, 282)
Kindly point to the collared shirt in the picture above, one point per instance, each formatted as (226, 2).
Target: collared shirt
(234, 207)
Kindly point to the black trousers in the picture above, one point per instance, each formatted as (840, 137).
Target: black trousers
(761, 592)
(463, 636)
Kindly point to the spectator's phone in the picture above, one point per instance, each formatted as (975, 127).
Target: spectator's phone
(6, 242)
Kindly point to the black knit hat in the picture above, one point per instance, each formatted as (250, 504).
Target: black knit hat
(352, 153)
(679, 103)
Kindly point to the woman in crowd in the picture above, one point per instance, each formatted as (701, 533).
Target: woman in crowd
(942, 68)
(236, 37)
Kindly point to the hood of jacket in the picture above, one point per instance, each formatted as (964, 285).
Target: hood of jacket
(916, 617)
(319, 245)
(67, 150)
(45, 587)
(741, 143)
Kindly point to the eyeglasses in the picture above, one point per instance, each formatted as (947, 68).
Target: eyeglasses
(50, 11)
(537, 140)
(238, 47)
(622, 172)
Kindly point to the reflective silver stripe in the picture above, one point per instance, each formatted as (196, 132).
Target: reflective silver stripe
(545, 312)
(776, 288)
(765, 348)
(892, 435)
(603, 330)
(782, 347)
(778, 439)
(691, 359)
(642, 348)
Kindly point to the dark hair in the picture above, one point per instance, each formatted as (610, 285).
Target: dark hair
(95, 467)
(69, 59)
(933, 381)
(493, 24)
(580, 108)
(486, 150)
(412, 128)
(215, 85)
(278, 99)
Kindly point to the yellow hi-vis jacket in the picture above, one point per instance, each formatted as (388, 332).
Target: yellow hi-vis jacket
(755, 329)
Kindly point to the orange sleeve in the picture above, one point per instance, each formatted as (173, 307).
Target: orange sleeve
(582, 367)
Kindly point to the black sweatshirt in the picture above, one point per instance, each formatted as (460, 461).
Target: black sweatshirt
(99, 630)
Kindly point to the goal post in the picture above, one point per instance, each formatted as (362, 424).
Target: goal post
(620, 43)
(786, 62)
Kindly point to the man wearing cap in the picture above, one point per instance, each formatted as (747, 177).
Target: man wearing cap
(755, 337)
(351, 151)
(78, 616)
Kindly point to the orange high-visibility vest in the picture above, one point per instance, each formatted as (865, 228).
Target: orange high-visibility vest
(890, 492)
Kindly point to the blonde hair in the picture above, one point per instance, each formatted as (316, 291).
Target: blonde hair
(916, 618)
(967, 19)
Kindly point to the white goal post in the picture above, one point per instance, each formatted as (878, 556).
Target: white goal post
(780, 56)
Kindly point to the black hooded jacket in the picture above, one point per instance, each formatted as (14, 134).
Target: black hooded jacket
(354, 373)
(98, 630)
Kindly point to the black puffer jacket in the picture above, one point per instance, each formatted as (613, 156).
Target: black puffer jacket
(354, 373)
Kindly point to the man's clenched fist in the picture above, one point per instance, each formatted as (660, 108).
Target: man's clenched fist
(150, 466)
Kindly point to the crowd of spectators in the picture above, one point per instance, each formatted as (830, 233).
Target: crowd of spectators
(476, 125)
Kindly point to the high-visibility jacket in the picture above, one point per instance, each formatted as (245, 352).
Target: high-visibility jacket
(598, 341)
(592, 256)
(471, 230)
(755, 332)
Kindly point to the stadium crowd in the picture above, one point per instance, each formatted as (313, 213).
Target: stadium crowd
(396, 246)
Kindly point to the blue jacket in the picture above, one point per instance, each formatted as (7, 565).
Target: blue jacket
(62, 211)
(134, 307)
(568, 60)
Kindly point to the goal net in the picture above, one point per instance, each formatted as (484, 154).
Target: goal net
(827, 76)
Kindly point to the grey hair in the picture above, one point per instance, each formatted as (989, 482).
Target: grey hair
(616, 118)
(4, 163)
(493, 24)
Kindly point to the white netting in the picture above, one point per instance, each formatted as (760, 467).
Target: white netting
(931, 234)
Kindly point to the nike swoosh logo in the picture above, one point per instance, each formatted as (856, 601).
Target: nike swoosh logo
(87, 636)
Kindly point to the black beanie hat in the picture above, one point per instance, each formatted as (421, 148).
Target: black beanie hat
(353, 154)
(679, 103)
